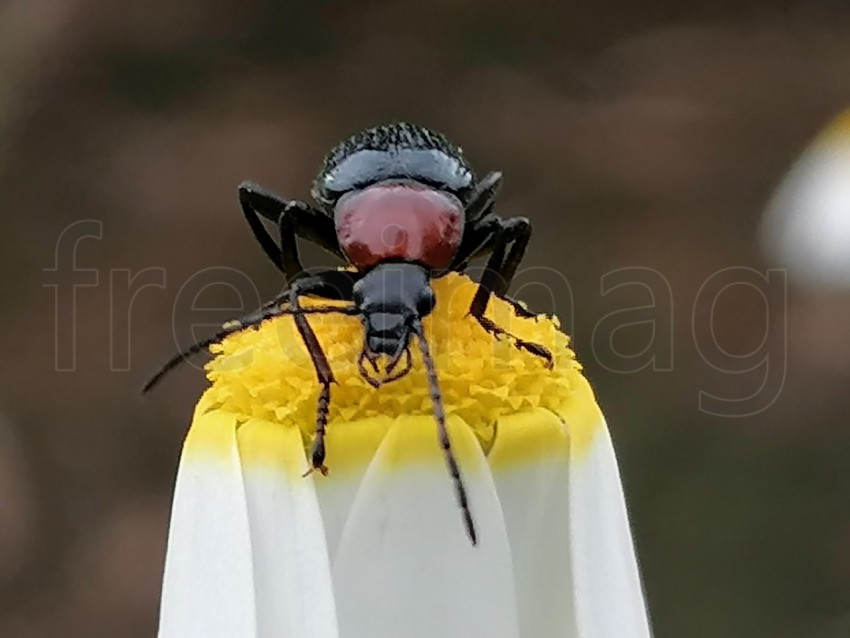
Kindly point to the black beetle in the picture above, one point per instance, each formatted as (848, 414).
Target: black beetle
(401, 205)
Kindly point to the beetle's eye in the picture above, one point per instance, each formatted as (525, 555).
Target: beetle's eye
(425, 302)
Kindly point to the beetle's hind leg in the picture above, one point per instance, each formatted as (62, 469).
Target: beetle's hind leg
(294, 219)
(481, 200)
(498, 274)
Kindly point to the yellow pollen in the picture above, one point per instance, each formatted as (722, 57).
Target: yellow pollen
(267, 373)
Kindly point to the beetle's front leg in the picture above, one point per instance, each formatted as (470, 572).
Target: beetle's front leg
(330, 284)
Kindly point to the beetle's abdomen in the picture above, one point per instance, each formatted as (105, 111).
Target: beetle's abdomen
(399, 222)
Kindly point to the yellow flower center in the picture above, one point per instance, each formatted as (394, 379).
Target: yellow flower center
(266, 373)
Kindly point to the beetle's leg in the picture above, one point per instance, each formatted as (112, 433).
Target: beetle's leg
(479, 239)
(481, 199)
(481, 223)
(333, 284)
(294, 218)
(268, 310)
(443, 433)
(520, 310)
(497, 277)
(478, 236)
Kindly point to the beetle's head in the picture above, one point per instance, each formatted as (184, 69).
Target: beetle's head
(391, 297)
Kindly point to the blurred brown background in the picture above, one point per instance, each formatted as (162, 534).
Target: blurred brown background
(645, 135)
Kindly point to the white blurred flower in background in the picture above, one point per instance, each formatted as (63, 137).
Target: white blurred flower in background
(806, 227)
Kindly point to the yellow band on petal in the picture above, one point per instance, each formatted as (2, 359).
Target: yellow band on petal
(211, 436)
(266, 373)
(264, 444)
(582, 418)
(414, 440)
(528, 438)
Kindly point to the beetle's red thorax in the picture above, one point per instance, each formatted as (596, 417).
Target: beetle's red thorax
(399, 221)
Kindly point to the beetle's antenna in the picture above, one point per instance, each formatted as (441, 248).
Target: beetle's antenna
(235, 325)
(445, 442)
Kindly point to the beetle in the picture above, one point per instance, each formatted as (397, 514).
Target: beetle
(401, 205)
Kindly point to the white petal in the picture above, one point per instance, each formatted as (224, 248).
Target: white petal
(292, 578)
(405, 566)
(608, 597)
(350, 448)
(530, 462)
(208, 586)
